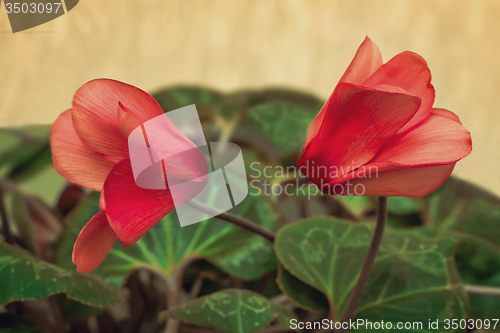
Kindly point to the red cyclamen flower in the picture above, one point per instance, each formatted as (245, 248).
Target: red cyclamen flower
(378, 130)
(90, 148)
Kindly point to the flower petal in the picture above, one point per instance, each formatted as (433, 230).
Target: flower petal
(357, 123)
(102, 203)
(446, 113)
(412, 183)
(366, 61)
(93, 244)
(127, 120)
(132, 210)
(440, 139)
(95, 117)
(72, 159)
(409, 72)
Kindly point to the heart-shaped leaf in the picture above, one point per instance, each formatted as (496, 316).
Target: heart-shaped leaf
(414, 276)
(301, 294)
(470, 215)
(24, 277)
(231, 311)
(283, 123)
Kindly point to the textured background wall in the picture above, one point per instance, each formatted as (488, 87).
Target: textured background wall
(237, 44)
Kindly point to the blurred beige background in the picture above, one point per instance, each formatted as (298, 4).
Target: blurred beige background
(238, 44)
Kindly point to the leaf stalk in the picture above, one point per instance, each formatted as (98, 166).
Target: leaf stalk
(482, 291)
(235, 219)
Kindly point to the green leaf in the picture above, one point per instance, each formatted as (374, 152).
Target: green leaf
(23, 277)
(176, 97)
(414, 276)
(255, 165)
(403, 206)
(25, 158)
(285, 124)
(460, 206)
(16, 324)
(75, 309)
(470, 215)
(301, 294)
(9, 138)
(357, 205)
(479, 263)
(28, 151)
(37, 162)
(231, 311)
(249, 260)
(167, 246)
(238, 103)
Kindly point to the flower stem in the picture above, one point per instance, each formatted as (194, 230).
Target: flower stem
(483, 291)
(366, 271)
(173, 299)
(176, 295)
(234, 219)
(5, 219)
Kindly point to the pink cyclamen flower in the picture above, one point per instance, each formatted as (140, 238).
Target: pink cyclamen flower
(90, 148)
(378, 134)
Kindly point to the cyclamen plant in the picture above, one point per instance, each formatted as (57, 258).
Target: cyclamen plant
(380, 116)
(251, 269)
